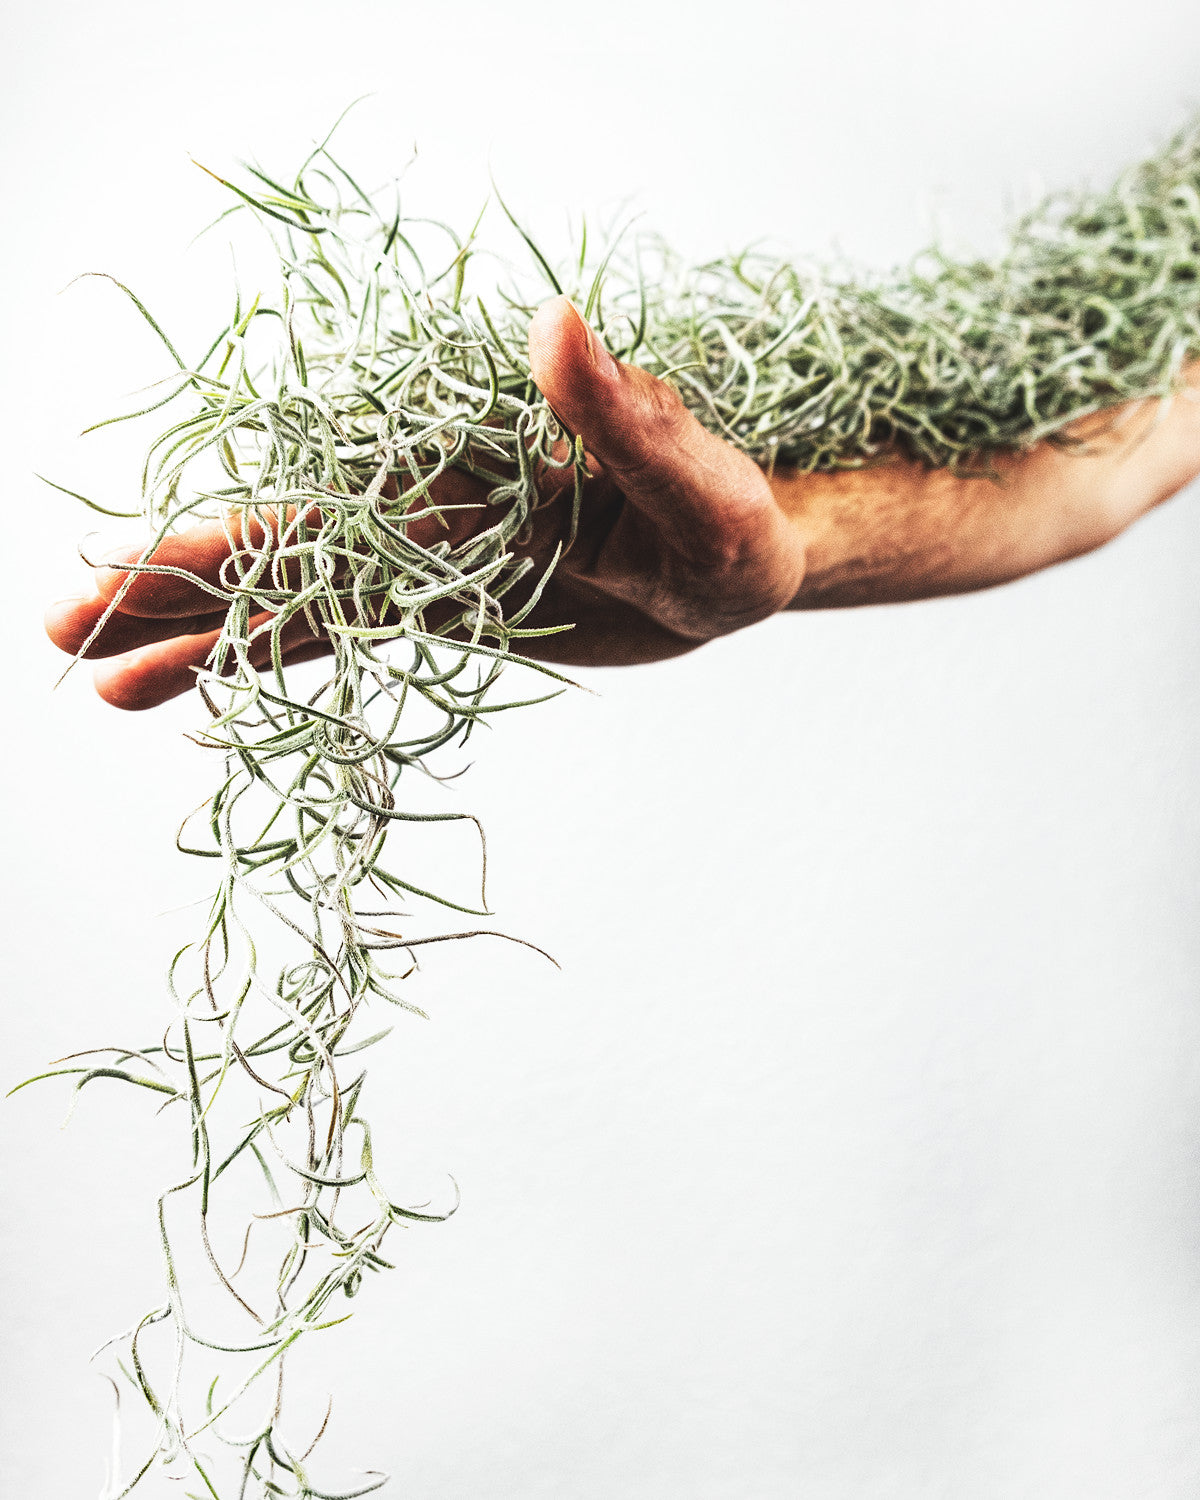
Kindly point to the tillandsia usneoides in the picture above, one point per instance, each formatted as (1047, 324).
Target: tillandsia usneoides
(323, 429)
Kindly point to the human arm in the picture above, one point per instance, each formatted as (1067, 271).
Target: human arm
(683, 538)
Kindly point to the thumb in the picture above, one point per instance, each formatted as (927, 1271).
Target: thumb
(677, 473)
(701, 545)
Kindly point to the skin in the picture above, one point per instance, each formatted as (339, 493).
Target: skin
(684, 539)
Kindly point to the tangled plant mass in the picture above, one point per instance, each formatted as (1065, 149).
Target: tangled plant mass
(319, 427)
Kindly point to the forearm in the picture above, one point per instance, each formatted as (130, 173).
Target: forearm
(900, 531)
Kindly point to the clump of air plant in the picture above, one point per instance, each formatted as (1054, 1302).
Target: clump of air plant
(317, 426)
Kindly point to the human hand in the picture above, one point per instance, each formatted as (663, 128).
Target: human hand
(683, 538)
(680, 539)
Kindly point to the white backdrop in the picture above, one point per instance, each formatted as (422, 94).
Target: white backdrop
(855, 1152)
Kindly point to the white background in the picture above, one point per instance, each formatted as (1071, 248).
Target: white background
(855, 1152)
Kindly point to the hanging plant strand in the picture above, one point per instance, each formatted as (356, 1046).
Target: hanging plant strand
(317, 427)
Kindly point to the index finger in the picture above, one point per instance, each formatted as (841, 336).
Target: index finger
(204, 559)
(200, 555)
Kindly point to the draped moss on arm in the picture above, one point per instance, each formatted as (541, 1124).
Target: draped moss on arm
(1095, 302)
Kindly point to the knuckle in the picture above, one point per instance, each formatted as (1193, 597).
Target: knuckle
(665, 409)
(657, 431)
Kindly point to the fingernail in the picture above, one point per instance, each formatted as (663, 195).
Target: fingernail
(602, 361)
